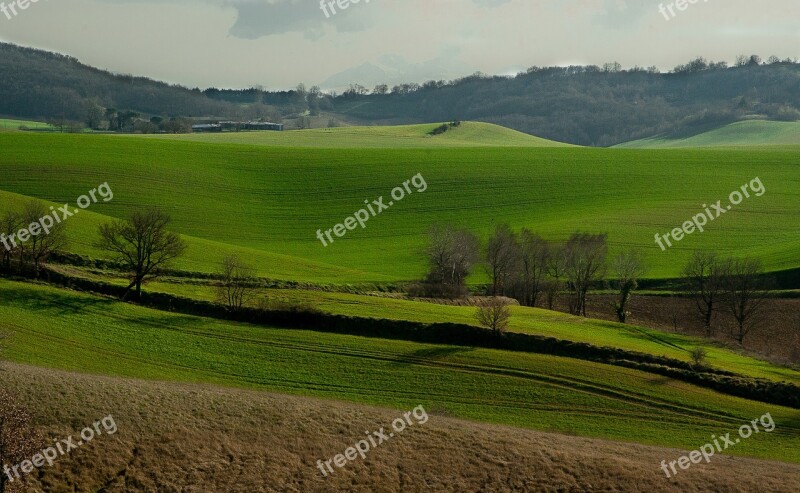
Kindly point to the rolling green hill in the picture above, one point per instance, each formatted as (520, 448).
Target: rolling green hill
(11, 124)
(468, 134)
(525, 320)
(746, 133)
(65, 330)
(269, 202)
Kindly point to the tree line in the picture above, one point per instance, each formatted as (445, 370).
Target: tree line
(587, 105)
(536, 272)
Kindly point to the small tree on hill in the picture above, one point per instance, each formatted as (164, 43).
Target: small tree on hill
(451, 254)
(236, 288)
(628, 268)
(10, 223)
(142, 244)
(494, 315)
(584, 260)
(746, 295)
(703, 274)
(39, 247)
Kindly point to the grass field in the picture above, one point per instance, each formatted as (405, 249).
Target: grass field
(249, 198)
(524, 320)
(65, 330)
(740, 134)
(11, 124)
(468, 134)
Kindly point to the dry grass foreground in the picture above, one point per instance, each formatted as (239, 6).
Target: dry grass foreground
(194, 438)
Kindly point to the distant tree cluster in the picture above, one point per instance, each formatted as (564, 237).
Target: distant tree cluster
(526, 267)
(28, 255)
(597, 105)
(588, 105)
(736, 287)
(535, 272)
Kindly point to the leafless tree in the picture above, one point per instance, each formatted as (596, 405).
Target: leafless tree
(585, 259)
(628, 269)
(502, 258)
(451, 255)
(494, 315)
(704, 284)
(745, 294)
(10, 224)
(236, 288)
(142, 244)
(556, 271)
(36, 250)
(534, 259)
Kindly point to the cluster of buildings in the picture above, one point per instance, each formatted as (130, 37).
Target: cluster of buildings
(231, 126)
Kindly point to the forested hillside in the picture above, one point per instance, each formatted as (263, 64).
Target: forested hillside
(587, 105)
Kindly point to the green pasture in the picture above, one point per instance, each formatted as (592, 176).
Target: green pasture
(268, 202)
(747, 133)
(66, 330)
(468, 134)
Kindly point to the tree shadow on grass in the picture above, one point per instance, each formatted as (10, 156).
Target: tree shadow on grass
(435, 353)
(65, 303)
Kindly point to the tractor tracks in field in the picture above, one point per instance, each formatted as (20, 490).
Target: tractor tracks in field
(644, 404)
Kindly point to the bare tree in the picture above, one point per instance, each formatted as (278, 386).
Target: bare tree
(628, 268)
(451, 255)
(704, 285)
(10, 224)
(18, 439)
(142, 244)
(534, 261)
(502, 257)
(556, 271)
(236, 288)
(585, 259)
(745, 294)
(38, 248)
(494, 315)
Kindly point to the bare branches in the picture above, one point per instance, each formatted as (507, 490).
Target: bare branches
(494, 315)
(236, 289)
(584, 262)
(745, 294)
(628, 268)
(703, 274)
(451, 255)
(142, 243)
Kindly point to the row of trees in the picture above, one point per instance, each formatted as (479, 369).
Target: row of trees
(27, 257)
(735, 287)
(141, 245)
(534, 271)
(525, 266)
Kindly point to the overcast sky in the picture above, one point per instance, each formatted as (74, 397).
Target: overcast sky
(278, 43)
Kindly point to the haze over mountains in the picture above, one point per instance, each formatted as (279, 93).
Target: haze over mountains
(585, 105)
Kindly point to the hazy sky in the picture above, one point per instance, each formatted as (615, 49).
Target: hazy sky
(278, 43)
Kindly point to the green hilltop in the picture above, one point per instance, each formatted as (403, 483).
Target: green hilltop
(467, 134)
(740, 134)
